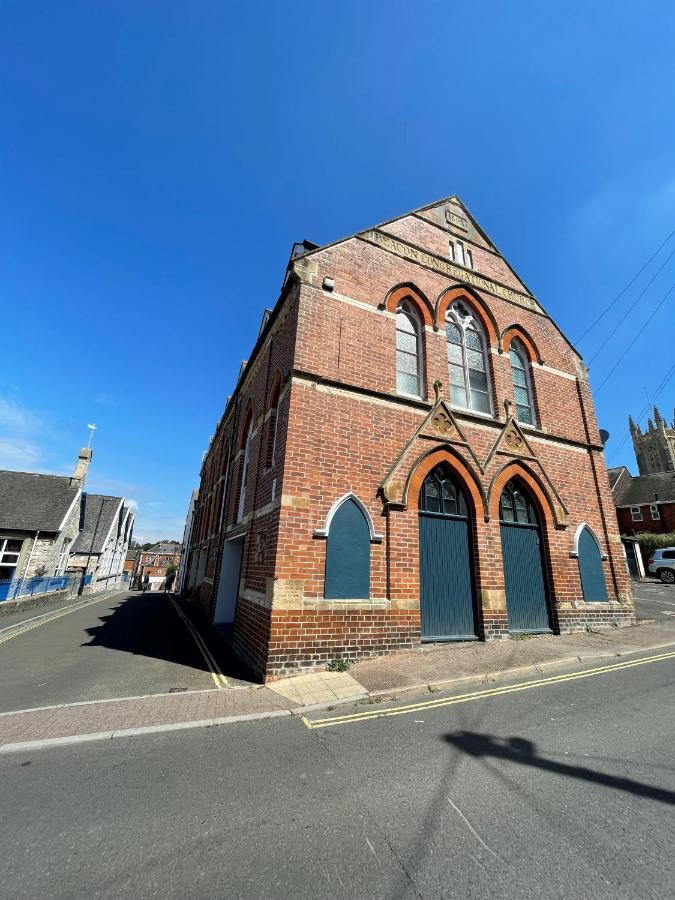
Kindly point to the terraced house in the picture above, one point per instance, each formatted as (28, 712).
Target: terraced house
(411, 453)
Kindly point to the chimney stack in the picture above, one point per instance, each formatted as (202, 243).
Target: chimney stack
(83, 460)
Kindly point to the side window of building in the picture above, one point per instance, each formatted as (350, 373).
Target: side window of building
(9, 557)
(272, 422)
(348, 554)
(244, 471)
(467, 361)
(636, 513)
(522, 388)
(654, 510)
(408, 350)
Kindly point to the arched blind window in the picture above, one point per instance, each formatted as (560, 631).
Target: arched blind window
(467, 361)
(348, 554)
(408, 351)
(590, 568)
(521, 384)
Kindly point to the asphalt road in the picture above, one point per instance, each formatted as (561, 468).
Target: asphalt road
(654, 600)
(127, 645)
(564, 791)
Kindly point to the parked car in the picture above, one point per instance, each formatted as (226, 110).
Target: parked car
(662, 564)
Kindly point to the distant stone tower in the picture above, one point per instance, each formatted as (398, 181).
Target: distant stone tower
(655, 448)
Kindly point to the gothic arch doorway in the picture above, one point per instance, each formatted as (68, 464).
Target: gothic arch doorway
(523, 557)
(447, 596)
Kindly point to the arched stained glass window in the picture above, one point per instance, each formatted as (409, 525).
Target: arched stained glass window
(408, 351)
(467, 361)
(515, 505)
(522, 389)
(441, 494)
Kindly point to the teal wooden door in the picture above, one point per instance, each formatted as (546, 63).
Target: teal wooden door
(446, 576)
(522, 554)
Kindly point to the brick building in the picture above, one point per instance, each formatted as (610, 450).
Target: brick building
(411, 453)
(646, 502)
(155, 561)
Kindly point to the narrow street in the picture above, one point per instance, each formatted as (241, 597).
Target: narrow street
(128, 644)
(562, 791)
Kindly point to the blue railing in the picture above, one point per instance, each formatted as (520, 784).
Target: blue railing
(26, 587)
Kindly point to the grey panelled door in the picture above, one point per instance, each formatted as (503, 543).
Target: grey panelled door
(446, 581)
(526, 595)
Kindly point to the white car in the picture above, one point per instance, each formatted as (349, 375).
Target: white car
(662, 564)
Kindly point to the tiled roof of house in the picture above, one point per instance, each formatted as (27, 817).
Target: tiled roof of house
(644, 489)
(165, 547)
(32, 502)
(98, 514)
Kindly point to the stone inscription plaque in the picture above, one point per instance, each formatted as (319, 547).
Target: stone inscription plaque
(458, 221)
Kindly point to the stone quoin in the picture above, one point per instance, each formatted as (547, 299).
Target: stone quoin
(410, 453)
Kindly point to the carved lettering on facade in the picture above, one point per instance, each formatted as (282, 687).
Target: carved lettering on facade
(458, 221)
(446, 268)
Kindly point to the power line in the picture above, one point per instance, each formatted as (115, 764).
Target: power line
(636, 338)
(669, 374)
(639, 297)
(624, 289)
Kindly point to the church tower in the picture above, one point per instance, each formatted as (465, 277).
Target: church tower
(655, 448)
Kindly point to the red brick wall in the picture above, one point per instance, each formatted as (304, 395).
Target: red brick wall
(664, 525)
(342, 429)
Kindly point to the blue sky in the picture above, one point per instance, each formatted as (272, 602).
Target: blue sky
(158, 159)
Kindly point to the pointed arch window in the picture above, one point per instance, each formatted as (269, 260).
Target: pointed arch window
(408, 350)
(467, 360)
(522, 387)
(244, 471)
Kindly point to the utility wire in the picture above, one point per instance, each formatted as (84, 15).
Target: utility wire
(639, 297)
(662, 386)
(636, 338)
(623, 290)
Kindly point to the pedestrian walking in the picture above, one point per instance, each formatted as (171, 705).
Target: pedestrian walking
(168, 582)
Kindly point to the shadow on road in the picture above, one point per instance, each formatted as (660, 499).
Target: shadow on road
(146, 624)
(520, 750)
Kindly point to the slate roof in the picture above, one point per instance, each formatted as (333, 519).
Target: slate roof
(32, 502)
(98, 514)
(644, 489)
(165, 547)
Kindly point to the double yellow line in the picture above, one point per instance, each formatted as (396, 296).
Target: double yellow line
(219, 679)
(479, 695)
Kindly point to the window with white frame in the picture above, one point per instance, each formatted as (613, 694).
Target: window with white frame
(522, 387)
(63, 557)
(10, 549)
(654, 510)
(408, 350)
(636, 513)
(459, 253)
(467, 360)
(451, 250)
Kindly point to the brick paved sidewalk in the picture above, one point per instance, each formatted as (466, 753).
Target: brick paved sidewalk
(118, 715)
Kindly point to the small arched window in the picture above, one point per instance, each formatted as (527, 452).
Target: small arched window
(244, 470)
(272, 429)
(348, 554)
(515, 505)
(408, 350)
(522, 389)
(467, 360)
